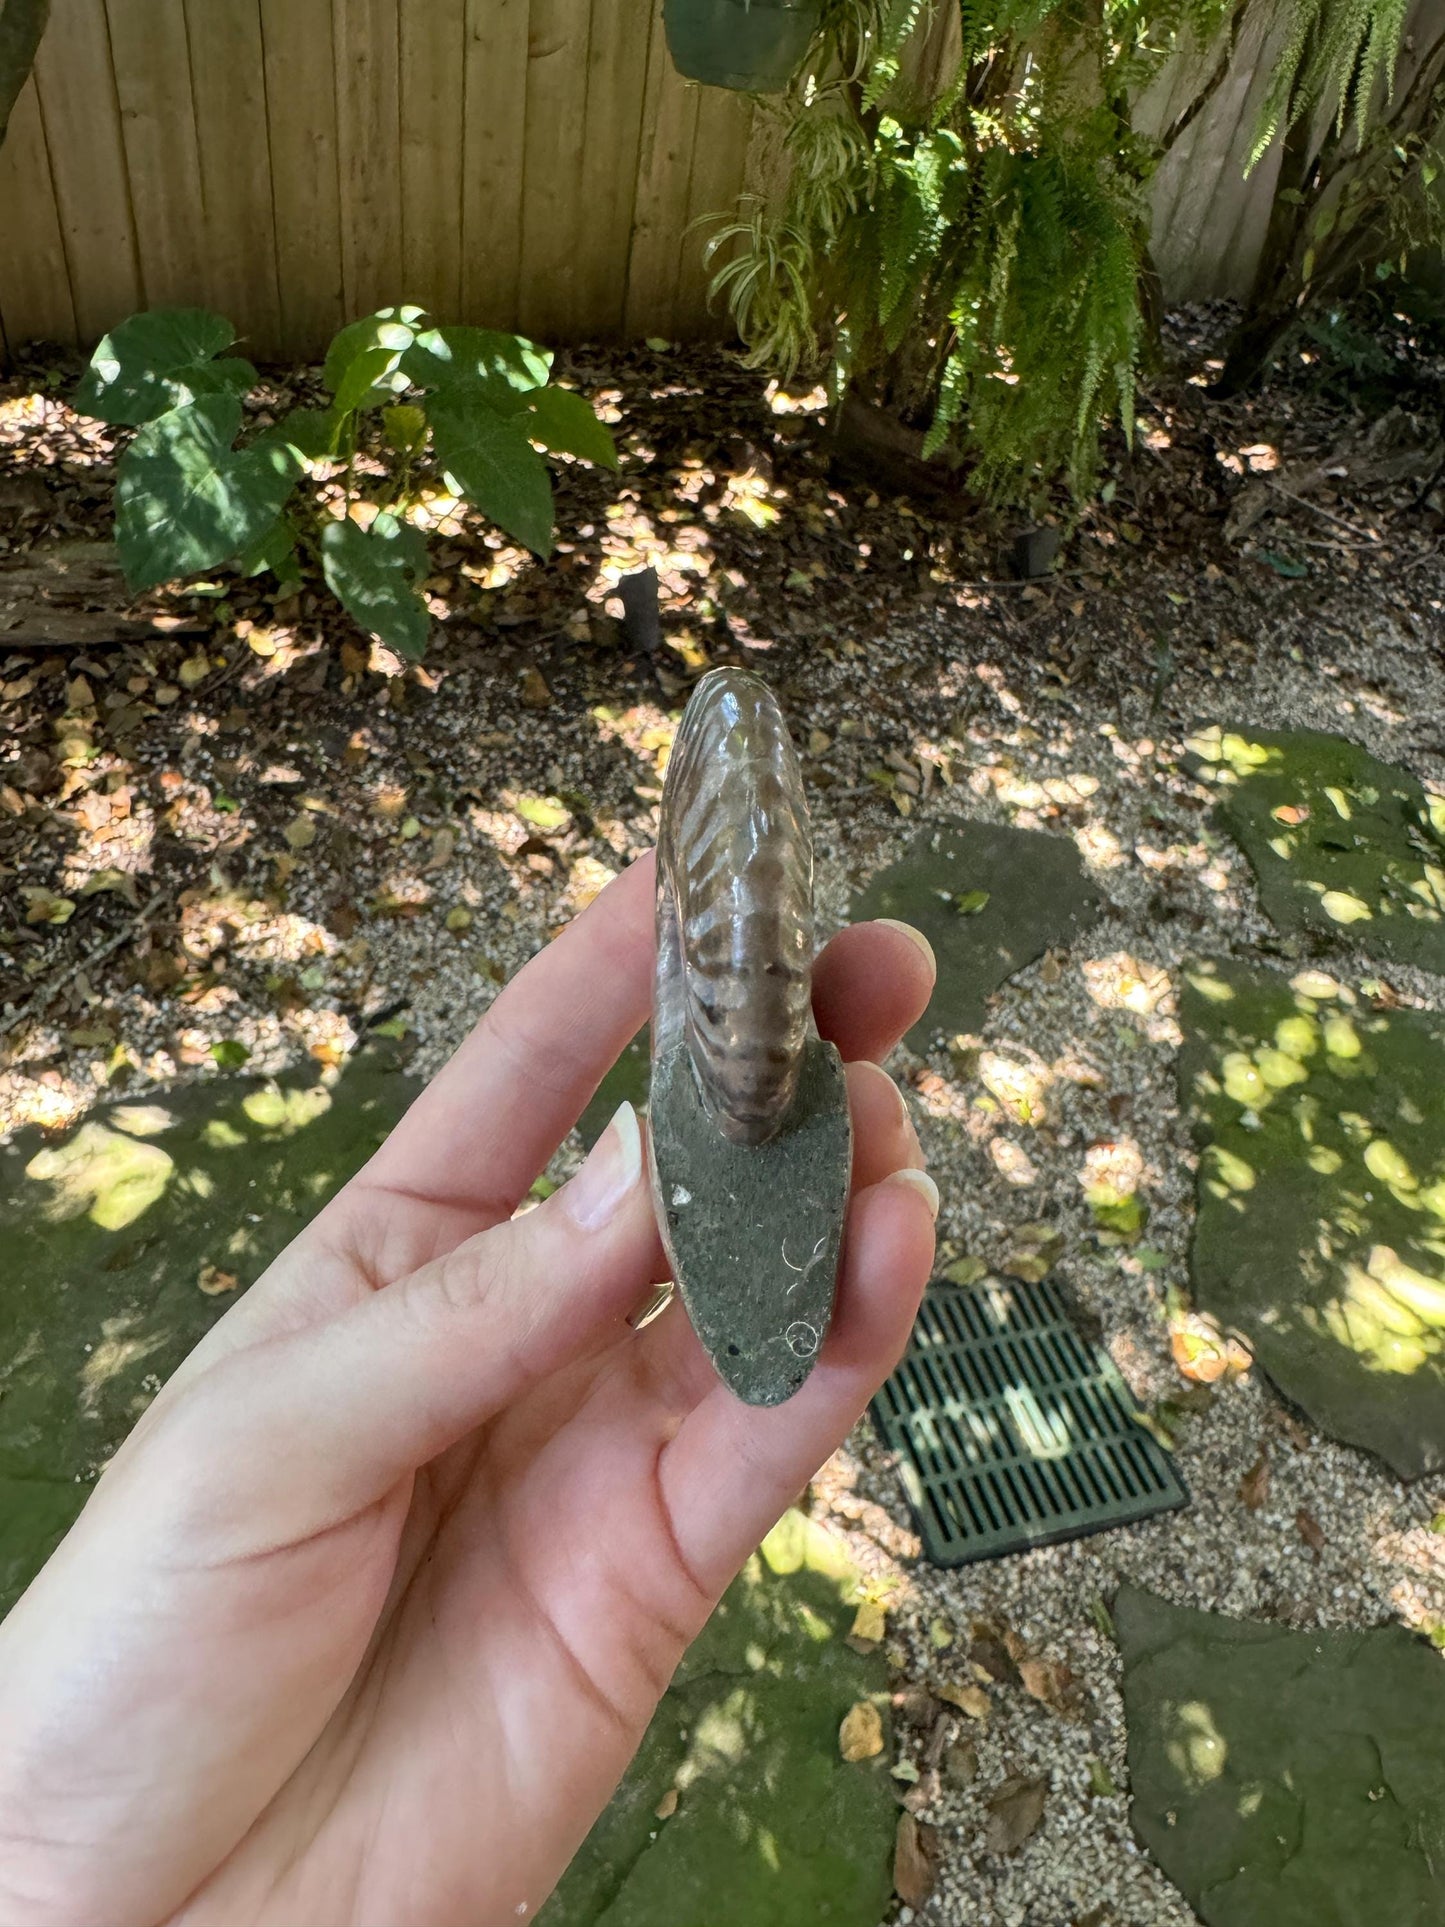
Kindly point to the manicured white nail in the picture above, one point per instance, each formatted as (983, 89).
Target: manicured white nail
(914, 936)
(920, 1182)
(614, 1164)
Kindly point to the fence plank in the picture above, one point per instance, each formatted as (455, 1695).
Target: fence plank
(368, 115)
(76, 84)
(719, 162)
(664, 166)
(433, 51)
(158, 123)
(516, 162)
(554, 177)
(228, 72)
(35, 289)
(616, 89)
(300, 71)
(492, 150)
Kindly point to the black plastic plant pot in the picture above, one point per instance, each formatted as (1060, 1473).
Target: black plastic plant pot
(751, 46)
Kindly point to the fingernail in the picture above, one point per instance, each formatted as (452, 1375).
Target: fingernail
(614, 1164)
(914, 936)
(920, 1182)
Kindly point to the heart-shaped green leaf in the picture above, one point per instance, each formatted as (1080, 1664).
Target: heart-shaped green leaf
(186, 500)
(364, 360)
(564, 422)
(158, 361)
(505, 367)
(373, 573)
(310, 433)
(494, 465)
(275, 551)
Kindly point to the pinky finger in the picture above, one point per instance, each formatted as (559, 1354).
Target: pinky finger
(732, 1469)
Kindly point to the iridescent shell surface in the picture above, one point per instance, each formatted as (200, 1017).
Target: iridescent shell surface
(735, 905)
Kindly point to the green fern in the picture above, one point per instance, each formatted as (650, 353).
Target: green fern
(981, 257)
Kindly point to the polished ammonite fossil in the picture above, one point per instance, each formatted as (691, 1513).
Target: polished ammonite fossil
(751, 1143)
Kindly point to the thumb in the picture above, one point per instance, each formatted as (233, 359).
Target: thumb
(326, 1421)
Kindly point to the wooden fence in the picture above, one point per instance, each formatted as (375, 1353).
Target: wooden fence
(533, 164)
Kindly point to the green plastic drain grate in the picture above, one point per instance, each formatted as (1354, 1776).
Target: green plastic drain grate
(1011, 1432)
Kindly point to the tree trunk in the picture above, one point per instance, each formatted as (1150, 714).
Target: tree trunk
(22, 22)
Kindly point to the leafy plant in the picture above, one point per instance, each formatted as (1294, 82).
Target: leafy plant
(960, 232)
(1359, 199)
(333, 487)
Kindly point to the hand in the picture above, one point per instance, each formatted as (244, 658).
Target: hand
(366, 1618)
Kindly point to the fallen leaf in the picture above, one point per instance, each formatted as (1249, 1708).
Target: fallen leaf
(535, 693)
(667, 1805)
(44, 906)
(1101, 1780)
(1013, 1813)
(870, 1623)
(459, 918)
(818, 741)
(961, 1763)
(915, 1861)
(1050, 970)
(968, 1699)
(966, 1271)
(120, 881)
(860, 1737)
(213, 1281)
(230, 1053)
(300, 832)
(443, 847)
(194, 669)
(971, 902)
(1051, 1683)
(1310, 1530)
(1254, 1486)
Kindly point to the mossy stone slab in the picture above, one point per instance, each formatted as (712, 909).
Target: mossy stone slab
(1321, 1225)
(1286, 1779)
(772, 1828)
(1343, 846)
(106, 1235)
(990, 900)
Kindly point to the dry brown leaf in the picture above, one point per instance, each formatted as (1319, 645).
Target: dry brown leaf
(915, 1861)
(443, 848)
(1310, 1530)
(44, 906)
(1051, 1683)
(213, 1281)
(1013, 1813)
(860, 1737)
(535, 692)
(1254, 1486)
(667, 1805)
(968, 1699)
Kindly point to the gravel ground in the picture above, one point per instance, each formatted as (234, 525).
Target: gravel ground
(449, 822)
